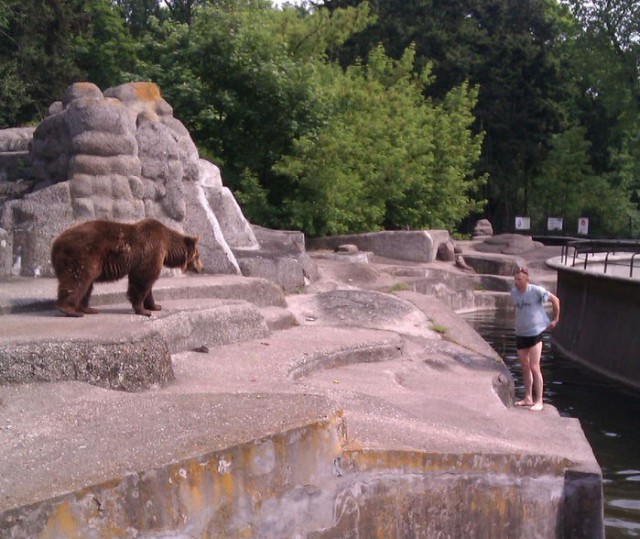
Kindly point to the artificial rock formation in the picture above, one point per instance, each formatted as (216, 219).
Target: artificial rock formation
(483, 228)
(118, 155)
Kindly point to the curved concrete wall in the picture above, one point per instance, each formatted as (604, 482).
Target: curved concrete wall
(599, 321)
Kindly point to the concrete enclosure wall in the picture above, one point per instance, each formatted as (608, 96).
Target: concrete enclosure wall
(599, 326)
(301, 483)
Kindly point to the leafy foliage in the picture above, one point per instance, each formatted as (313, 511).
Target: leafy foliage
(50, 45)
(245, 82)
(435, 106)
(386, 158)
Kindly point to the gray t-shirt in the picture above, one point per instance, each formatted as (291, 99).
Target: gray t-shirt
(531, 317)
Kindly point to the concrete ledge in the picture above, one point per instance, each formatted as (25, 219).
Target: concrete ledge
(117, 350)
(130, 365)
(21, 294)
(217, 325)
(274, 489)
(278, 318)
(360, 257)
(505, 265)
(468, 495)
(267, 481)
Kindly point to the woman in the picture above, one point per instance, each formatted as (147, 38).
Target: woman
(531, 321)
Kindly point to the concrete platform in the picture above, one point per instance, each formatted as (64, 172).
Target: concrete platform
(273, 419)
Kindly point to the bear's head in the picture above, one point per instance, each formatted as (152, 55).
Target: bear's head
(192, 260)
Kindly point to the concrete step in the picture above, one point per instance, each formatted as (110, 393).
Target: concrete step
(278, 318)
(118, 349)
(25, 294)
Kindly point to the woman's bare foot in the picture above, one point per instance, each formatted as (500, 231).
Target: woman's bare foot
(524, 402)
(537, 407)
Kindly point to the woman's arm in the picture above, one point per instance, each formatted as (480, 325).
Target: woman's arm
(555, 302)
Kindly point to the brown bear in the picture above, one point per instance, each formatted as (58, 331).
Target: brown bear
(103, 251)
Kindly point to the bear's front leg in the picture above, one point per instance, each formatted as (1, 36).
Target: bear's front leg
(84, 304)
(69, 310)
(149, 303)
(69, 292)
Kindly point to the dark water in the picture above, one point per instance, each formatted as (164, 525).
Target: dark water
(608, 412)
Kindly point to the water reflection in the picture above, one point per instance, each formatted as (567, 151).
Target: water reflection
(608, 412)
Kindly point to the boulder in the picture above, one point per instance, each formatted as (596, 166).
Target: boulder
(121, 155)
(282, 258)
(118, 155)
(446, 252)
(509, 244)
(483, 228)
(412, 245)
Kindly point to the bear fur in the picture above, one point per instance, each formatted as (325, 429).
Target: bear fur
(104, 251)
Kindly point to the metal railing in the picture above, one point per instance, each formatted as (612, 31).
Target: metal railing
(582, 249)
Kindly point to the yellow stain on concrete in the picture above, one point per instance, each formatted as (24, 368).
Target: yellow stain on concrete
(191, 489)
(61, 523)
(416, 461)
(227, 483)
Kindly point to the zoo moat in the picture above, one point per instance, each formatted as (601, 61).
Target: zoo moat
(608, 412)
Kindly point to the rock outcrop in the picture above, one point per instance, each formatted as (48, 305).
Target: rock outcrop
(508, 244)
(483, 228)
(118, 155)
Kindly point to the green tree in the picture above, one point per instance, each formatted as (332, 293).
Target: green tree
(39, 64)
(562, 188)
(49, 45)
(13, 89)
(102, 44)
(243, 79)
(303, 143)
(138, 14)
(386, 158)
(507, 50)
(604, 59)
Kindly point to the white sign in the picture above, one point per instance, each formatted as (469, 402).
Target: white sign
(554, 223)
(583, 225)
(523, 223)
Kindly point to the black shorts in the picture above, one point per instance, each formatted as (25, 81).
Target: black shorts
(527, 342)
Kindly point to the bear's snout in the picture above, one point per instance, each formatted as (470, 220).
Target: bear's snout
(195, 264)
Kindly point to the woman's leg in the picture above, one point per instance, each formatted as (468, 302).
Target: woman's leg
(527, 377)
(535, 353)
